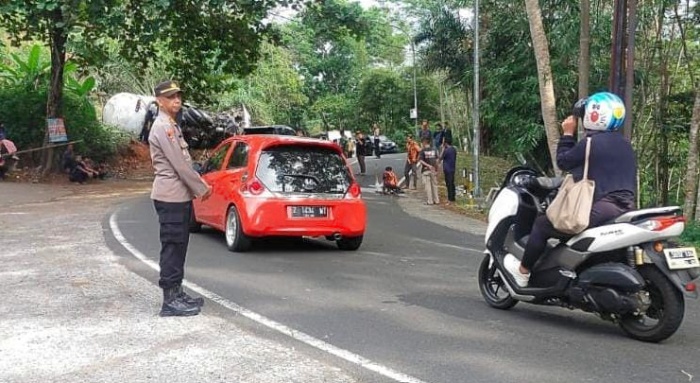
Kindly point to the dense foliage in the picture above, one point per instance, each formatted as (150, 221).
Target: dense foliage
(23, 112)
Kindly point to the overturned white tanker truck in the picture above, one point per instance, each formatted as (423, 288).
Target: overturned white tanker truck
(135, 113)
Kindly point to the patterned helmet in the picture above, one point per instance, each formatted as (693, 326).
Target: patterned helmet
(604, 111)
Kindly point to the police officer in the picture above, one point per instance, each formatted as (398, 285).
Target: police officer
(175, 185)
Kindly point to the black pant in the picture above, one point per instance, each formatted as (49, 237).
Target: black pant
(174, 218)
(361, 161)
(407, 169)
(376, 149)
(450, 183)
(602, 211)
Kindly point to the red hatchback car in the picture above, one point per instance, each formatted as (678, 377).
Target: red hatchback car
(281, 186)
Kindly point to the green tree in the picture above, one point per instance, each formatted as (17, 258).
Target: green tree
(198, 34)
(274, 91)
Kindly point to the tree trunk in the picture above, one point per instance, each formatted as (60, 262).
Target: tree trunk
(691, 176)
(584, 58)
(544, 74)
(53, 105)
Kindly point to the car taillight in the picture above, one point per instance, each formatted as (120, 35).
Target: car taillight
(661, 223)
(354, 191)
(256, 187)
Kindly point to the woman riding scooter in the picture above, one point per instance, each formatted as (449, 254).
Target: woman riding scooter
(612, 165)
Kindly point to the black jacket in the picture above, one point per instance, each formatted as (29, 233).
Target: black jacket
(612, 163)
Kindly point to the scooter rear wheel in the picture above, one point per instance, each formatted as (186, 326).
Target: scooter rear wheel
(665, 314)
(492, 287)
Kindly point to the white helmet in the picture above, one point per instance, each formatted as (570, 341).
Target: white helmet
(603, 111)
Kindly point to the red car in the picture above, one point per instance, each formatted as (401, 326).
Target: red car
(272, 185)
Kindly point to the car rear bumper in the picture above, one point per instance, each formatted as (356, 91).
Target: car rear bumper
(271, 218)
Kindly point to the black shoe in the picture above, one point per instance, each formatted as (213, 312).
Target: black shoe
(190, 300)
(175, 306)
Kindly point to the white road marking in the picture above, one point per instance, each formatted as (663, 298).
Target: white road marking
(279, 327)
(480, 251)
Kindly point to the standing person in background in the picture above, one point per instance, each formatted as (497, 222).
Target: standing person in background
(175, 185)
(425, 132)
(151, 113)
(438, 137)
(376, 133)
(428, 158)
(447, 132)
(360, 150)
(410, 170)
(449, 163)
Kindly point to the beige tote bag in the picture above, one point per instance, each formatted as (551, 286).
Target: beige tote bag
(571, 209)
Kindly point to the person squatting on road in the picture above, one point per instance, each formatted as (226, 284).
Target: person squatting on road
(612, 164)
(428, 158)
(410, 170)
(176, 183)
(390, 181)
(449, 165)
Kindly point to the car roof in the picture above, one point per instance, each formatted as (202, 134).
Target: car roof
(267, 140)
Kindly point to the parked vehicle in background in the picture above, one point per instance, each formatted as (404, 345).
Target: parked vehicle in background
(387, 146)
(283, 130)
(272, 185)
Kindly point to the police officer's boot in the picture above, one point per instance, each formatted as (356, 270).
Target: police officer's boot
(174, 305)
(199, 302)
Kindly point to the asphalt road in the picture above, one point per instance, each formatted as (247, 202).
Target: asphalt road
(409, 299)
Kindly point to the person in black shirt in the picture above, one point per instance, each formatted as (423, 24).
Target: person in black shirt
(151, 114)
(612, 165)
(360, 150)
(68, 160)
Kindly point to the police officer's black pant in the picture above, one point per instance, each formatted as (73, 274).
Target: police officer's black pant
(174, 218)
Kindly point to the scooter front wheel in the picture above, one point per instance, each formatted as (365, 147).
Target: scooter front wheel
(492, 287)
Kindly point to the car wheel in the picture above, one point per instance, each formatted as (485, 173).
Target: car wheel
(350, 243)
(194, 226)
(236, 240)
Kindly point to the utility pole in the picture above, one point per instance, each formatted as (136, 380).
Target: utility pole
(415, 92)
(477, 134)
(621, 80)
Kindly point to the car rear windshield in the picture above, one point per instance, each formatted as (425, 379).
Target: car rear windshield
(303, 169)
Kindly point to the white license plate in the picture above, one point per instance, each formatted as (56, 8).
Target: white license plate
(307, 211)
(681, 258)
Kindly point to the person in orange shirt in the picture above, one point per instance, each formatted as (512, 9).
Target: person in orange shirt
(411, 168)
(391, 181)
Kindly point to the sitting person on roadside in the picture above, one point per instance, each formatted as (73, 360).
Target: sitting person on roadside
(8, 158)
(68, 160)
(81, 172)
(391, 181)
(97, 170)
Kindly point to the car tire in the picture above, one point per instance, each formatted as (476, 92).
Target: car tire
(349, 243)
(236, 240)
(193, 225)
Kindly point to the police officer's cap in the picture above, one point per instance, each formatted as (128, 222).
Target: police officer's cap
(166, 88)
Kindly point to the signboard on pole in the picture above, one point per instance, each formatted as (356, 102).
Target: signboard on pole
(57, 131)
(414, 113)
